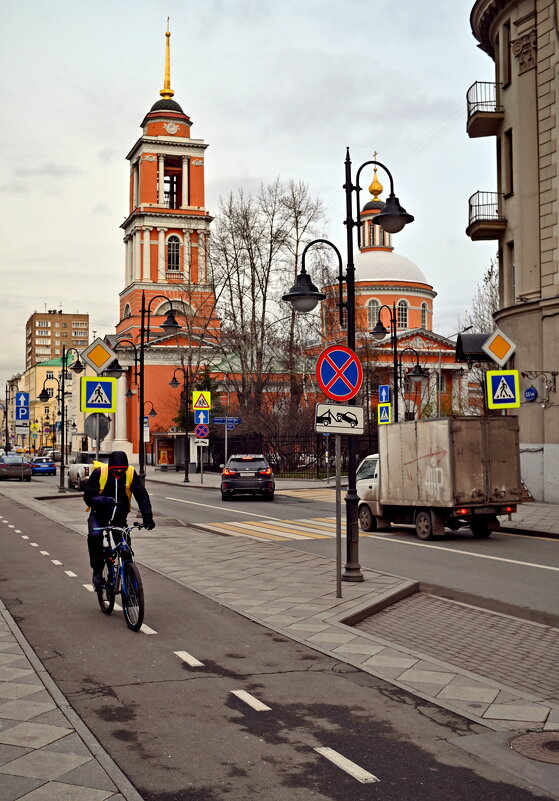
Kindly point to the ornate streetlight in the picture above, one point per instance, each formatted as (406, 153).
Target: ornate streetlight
(186, 392)
(304, 296)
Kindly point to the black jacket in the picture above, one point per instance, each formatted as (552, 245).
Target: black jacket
(115, 488)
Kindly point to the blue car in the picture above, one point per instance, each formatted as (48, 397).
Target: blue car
(43, 466)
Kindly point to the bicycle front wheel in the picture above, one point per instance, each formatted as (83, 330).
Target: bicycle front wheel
(132, 596)
(106, 593)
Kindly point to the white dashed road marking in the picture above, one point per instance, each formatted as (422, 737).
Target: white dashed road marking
(69, 573)
(251, 700)
(44, 553)
(347, 765)
(24, 537)
(89, 587)
(18, 531)
(188, 658)
(146, 629)
(55, 562)
(34, 544)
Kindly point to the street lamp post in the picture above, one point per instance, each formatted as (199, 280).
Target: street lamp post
(77, 367)
(379, 332)
(304, 296)
(417, 374)
(170, 326)
(186, 391)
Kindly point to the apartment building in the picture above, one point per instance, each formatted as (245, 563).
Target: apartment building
(518, 113)
(46, 332)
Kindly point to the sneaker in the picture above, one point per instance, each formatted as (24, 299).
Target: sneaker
(97, 579)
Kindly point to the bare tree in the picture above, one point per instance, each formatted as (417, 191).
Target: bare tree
(485, 302)
(255, 253)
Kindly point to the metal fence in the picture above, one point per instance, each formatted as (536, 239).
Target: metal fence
(312, 456)
(482, 96)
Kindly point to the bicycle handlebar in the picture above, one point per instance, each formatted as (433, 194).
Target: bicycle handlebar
(119, 528)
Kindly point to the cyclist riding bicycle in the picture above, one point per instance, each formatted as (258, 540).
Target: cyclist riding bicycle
(108, 494)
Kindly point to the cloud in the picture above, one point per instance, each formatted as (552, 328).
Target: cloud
(50, 169)
(102, 208)
(14, 188)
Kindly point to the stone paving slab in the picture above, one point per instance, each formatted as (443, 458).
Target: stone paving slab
(46, 751)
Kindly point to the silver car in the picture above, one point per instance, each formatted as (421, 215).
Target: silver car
(15, 466)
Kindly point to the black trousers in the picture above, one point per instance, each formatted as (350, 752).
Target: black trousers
(95, 539)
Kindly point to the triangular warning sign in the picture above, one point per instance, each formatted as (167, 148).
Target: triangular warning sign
(384, 414)
(504, 392)
(202, 403)
(99, 396)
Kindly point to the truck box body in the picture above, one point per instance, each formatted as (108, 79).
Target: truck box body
(453, 461)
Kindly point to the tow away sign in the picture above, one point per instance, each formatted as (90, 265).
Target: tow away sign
(336, 419)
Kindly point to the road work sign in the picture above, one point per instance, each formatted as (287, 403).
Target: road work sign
(98, 394)
(503, 389)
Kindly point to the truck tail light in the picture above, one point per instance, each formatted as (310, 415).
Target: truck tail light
(509, 509)
(462, 511)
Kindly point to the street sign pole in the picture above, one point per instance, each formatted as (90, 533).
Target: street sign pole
(338, 438)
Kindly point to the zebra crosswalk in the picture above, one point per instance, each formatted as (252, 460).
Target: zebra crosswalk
(317, 494)
(317, 528)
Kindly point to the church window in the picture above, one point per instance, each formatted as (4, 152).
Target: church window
(171, 191)
(373, 307)
(424, 315)
(127, 311)
(402, 314)
(173, 253)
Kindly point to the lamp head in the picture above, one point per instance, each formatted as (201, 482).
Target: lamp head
(44, 396)
(114, 370)
(152, 413)
(417, 374)
(379, 331)
(170, 324)
(303, 295)
(173, 382)
(393, 217)
(77, 367)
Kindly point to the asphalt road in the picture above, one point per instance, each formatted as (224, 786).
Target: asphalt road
(179, 732)
(508, 572)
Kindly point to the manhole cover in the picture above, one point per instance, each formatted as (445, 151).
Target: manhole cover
(543, 746)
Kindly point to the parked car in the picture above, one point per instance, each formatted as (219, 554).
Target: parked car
(80, 468)
(247, 473)
(43, 466)
(54, 455)
(15, 466)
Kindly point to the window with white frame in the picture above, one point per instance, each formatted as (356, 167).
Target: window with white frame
(373, 307)
(173, 253)
(424, 315)
(402, 314)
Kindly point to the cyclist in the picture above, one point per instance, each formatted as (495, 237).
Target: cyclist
(108, 495)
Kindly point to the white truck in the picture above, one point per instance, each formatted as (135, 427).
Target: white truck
(448, 472)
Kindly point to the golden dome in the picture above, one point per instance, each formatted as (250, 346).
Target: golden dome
(375, 187)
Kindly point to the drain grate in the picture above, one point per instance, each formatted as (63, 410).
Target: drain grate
(542, 746)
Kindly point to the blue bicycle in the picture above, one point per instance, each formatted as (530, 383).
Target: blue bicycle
(121, 575)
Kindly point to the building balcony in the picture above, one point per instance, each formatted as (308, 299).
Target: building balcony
(486, 220)
(485, 113)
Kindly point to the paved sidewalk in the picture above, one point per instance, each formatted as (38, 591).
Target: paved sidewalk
(46, 751)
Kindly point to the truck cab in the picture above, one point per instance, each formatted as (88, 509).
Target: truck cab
(367, 481)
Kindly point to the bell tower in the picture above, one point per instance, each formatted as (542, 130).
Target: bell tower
(167, 229)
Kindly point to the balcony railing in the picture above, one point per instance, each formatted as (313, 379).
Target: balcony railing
(485, 216)
(485, 111)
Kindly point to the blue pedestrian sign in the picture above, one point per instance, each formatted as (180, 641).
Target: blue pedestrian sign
(22, 399)
(201, 417)
(384, 411)
(384, 393)
(22, 413)
(98, 394)
(503, 389)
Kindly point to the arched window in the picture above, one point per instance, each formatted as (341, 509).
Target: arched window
(424, 315)
(402, 314)
(173, 253)
(127, 311)
(373, 307)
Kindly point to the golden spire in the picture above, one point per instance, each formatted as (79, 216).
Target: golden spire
(375, 187)
(167, 92)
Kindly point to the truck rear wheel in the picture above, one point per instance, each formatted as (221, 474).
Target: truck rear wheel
(367, 520)
(481, 529)
(424, 524)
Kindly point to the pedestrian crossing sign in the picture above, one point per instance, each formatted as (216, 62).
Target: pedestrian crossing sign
(503, 389)
(98, 394)
(201, 400)
(384, 413)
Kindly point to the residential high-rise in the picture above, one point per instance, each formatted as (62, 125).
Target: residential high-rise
(519, 110)
(46, 332)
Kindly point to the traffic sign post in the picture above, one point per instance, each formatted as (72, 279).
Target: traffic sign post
(384, 393)
(384, 411)
(201, 417)
(339, 373)
(338, 419)
(202, 431)
(499, 347)
(201, 400)
(503, 389)
(98, 355)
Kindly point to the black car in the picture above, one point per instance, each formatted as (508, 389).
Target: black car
(247, 473)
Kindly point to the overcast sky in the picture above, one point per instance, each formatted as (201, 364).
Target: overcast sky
(275, 88)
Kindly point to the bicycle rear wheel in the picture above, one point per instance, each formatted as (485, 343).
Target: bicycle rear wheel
(106, 593)
(132, 596)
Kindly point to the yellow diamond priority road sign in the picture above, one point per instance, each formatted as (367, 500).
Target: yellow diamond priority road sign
(499, 347)
(98, 355)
